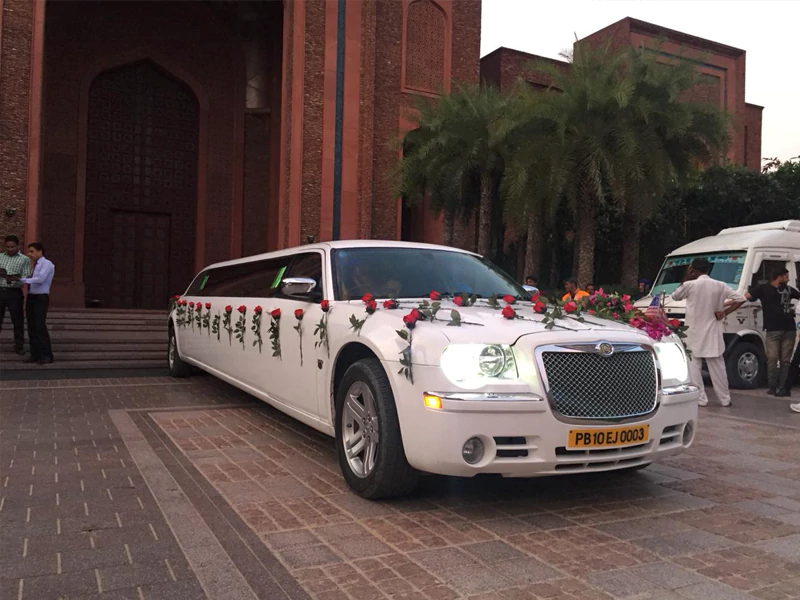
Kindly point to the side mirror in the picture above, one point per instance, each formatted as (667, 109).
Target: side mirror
(298, 286)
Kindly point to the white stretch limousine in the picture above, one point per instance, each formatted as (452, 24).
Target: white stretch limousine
(420, 358)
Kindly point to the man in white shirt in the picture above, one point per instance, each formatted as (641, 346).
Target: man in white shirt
(705, 311)
(36, 307)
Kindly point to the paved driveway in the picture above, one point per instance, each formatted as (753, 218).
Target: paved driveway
(154, 488)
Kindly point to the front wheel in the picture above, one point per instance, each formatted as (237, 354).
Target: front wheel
(177, 368)
(368, 440)
(746, 366)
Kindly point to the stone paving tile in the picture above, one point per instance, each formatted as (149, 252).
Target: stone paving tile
(77, 517)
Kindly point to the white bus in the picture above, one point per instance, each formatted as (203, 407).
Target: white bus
(406, 356)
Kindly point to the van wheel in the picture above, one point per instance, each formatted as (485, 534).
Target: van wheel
(746, 366)
(177, 368)
(368, 440)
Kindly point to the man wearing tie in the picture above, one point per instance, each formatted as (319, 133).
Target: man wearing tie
(37, 303)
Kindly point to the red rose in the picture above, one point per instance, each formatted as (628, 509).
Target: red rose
(570, 307)
(372, 306)
(199, 306)
(183, 302)
(191, 304)
(390, 304)
(242, 309)
(591, 312)
(367, 298)
(228, 308)
(258, 310)
(410, 319)
(458, 301)
(674, 323)
(208, 305)
(539, 307)
(176, 297)
(298, 314)
(325, 306)
(509, 313)
(275, 314)
(509, 299)
(535, 298)
(435, 296)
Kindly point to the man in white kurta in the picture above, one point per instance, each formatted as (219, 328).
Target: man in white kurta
(705, 313)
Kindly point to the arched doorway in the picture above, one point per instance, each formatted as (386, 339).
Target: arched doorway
(141, 187)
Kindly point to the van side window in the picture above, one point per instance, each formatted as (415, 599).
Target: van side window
(246, 280)
(308, 264)
(766, 271)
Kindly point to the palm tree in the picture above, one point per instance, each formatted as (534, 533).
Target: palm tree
(456, 155)
(674, 136)
(593, 142)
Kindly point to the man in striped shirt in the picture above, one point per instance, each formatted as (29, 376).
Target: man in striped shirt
(13, 263)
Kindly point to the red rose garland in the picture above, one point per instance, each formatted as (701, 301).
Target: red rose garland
(275, 332)
(256, 327)
(321, 329)
(226, 323)
(241, 325)
(298, 314)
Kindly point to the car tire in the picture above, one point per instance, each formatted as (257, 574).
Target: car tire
(366, 422)
(177, 367)
(746, 366)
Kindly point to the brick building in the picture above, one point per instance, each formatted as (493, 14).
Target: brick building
(722, 71)
(143, 140)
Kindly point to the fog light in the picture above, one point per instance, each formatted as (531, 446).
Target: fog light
(472, 452)
(688, 433)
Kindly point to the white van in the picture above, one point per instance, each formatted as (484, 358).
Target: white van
(741, 257)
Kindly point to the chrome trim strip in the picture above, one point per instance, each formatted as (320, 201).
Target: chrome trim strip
(590, 347)
(684, 388)
(487, 397)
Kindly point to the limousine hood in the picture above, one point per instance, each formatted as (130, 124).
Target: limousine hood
(484, 324)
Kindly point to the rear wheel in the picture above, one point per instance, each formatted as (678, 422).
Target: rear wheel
(177, 368)
(368, 440)
(746, 366)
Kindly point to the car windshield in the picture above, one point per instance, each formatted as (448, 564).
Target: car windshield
(726, 267)
(398, 272)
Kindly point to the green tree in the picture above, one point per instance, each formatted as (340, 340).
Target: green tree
(672, 137)
(593, 141)
(456, 155)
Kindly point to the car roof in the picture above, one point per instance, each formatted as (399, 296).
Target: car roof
(336, 245)
(744, 240)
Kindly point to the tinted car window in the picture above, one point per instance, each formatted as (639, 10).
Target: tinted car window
(415, 272)
(245, 280)
(197, 284)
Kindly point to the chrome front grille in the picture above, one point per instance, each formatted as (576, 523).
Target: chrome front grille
(588, 385)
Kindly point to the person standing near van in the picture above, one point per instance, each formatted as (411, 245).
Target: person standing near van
(13, 266)
(705, 311)
(776, 302)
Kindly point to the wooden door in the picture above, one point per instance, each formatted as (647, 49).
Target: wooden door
(140, 272)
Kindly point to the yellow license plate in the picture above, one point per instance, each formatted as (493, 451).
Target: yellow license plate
(608, 437)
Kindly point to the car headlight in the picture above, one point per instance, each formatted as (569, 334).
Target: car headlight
(470, 365)
(673, 363)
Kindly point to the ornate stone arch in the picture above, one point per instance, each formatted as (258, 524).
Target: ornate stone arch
(177, 72)
(427, 48)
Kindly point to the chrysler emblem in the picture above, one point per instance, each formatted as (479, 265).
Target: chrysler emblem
(605, 349)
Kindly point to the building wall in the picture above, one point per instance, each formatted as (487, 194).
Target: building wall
(17, 44)
(722, 71)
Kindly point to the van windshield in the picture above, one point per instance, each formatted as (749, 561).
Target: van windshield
(397, 272)
(726, 267)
